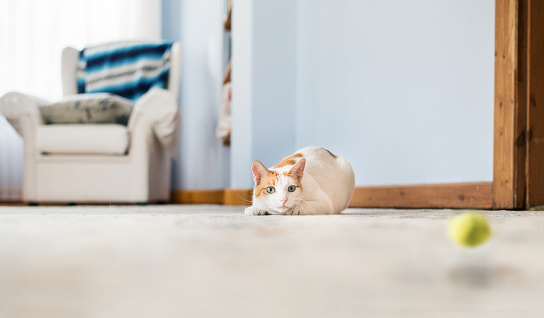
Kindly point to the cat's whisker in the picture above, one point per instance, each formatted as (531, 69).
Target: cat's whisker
(244, 199)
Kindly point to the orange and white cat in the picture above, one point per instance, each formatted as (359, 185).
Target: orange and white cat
(310, 181)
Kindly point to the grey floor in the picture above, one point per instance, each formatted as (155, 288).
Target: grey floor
(212, 261)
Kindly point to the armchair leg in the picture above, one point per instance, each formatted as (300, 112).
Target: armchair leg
(32, 203)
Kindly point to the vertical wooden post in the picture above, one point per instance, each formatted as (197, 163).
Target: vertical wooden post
(510, 111)
(535, 105)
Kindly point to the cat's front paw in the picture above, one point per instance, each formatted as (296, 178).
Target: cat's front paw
(254, 211)
(294, 211)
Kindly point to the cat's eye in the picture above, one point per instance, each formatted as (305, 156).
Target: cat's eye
(291, 188)
(270, 190)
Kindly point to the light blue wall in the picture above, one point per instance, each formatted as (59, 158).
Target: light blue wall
(263, 84)
(203, 161)
(404, 90)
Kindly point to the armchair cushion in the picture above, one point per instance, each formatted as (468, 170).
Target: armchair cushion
(88, 109)
(101, 139)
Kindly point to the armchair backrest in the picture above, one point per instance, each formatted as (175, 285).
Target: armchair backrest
(70, 58)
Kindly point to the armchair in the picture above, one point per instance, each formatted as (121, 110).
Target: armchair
(103, 163)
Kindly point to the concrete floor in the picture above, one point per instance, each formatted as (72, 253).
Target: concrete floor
(212, 261)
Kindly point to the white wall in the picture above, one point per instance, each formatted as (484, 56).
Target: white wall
(203, 161)
(404, 90)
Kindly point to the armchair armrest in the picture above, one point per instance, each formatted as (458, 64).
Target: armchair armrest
(22, 111)
(160, 107)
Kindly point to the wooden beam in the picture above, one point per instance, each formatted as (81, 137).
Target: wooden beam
(222, 196)
(12, 203)
(198, 197)
(510, 111)
(453, 195)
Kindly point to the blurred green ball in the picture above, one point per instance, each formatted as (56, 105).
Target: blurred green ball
(469, 229)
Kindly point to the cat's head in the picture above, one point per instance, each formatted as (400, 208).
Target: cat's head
(277, 191)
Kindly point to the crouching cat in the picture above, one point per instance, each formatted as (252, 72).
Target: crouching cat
(310, 181)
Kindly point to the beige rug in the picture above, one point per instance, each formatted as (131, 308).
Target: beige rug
(212, 261)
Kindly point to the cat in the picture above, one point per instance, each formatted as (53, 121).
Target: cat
(310, 181)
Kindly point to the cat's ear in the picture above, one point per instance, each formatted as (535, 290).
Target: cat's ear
(259, 171)
(297, 171)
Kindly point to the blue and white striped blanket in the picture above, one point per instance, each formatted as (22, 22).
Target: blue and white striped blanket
(128, 69)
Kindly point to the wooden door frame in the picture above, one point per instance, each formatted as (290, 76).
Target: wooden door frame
(518, 138)
(518, 180)
(510, 114)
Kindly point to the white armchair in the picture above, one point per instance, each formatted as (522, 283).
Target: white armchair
(103, 163)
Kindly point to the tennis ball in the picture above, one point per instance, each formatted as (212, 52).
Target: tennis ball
(469, 229)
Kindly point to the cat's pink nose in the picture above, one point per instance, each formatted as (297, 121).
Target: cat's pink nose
(283, 201)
